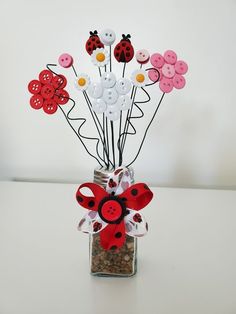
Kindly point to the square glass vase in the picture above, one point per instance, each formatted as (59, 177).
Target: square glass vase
(121, 262)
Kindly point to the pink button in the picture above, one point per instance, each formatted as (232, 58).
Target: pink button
(181, 67)
(157, 60)
(168, 70)
(179, 81)
(170, 57)
(142, 56)
(65, 60)
(153, 75)
(166, 85)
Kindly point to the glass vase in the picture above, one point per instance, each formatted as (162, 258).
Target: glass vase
(121, 262)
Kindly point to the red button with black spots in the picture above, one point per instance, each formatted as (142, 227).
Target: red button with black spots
(111, 210)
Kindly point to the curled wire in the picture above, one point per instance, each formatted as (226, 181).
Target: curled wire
(129, 123)
(145, 133)
(78, 133)
(129, 117)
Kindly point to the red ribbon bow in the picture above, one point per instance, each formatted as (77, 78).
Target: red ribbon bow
(113, 208)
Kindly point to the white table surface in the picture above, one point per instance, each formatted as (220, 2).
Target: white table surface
(186, 263)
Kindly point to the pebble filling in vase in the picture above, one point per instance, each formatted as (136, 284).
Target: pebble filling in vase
(115, 103)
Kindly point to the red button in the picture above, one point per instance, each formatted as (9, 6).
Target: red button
(45, 76)
(47, 91)
(111, 210)
(34, 87)
(36, 101)
(50, 106)
(61, 97)
(59, 81)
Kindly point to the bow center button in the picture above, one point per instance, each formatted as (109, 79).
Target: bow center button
(111, 210)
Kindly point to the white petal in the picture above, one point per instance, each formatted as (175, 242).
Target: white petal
(135, 224)
(91, 223)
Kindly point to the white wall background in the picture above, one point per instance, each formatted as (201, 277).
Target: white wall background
(191, 143)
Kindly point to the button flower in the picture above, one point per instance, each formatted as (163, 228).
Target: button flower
(82, 82)
(110, 96)
(171, 71)
(139, 78)
(113, 211)
(100, 57)
(48, 92)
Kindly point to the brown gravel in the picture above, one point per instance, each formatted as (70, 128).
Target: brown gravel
(121, 262)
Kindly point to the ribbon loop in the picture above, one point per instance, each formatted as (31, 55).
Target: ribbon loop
(137, 196)
(91, 202)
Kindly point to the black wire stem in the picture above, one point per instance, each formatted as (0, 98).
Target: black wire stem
(145, 133)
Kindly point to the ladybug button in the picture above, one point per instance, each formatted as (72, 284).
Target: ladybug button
(111, 211)
(65, 60)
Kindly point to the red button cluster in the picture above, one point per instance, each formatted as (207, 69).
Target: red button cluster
(48, 92)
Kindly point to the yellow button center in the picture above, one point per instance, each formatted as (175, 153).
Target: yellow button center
(140, 78)
(81, 81)
(100, 57)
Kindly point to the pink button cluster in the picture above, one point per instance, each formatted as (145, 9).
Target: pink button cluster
(171, 71)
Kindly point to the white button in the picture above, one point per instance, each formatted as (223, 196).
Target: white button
(142, 56)
(123, 86)
(107, 37)
(124, 102)
(95, 90)
(99, 106)
(110, 96)
(108, 79)
(112, 113)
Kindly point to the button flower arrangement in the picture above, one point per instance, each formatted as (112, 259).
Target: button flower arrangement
(111, 100)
